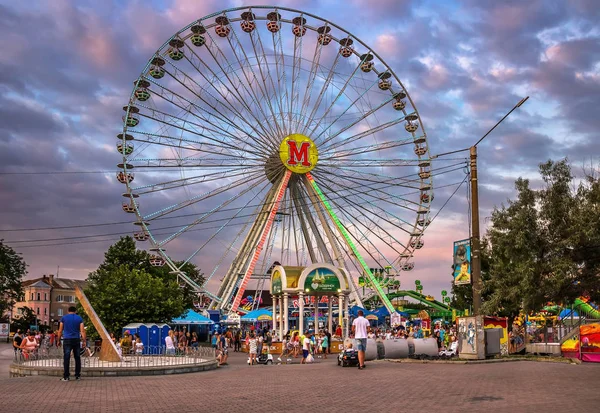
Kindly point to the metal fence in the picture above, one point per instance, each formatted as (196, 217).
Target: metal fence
(150, 356)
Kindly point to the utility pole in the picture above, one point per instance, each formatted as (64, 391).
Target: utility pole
(475, 240)
(475, 237)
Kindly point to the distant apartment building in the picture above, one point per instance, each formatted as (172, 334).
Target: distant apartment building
(49, 297)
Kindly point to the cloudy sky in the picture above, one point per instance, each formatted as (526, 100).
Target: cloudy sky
(66, 70)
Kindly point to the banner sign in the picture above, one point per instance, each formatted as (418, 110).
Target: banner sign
(4, 330)
(276, 284)
(462, 262)
(322, 280)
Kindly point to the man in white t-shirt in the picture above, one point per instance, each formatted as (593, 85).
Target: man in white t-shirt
(360, 327)
(305, 347)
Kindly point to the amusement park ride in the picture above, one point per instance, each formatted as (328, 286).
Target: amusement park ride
(262, 134)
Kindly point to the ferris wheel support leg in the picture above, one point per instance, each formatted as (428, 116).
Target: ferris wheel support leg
(297, 205)
(239, 263)
(263, 237)
(336, 251)
(315, 230)
(386, 301)
(232, 277)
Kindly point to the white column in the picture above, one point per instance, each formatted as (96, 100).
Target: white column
(329, 314)
(274, 301)
(316, 314)
(286, 313)
(341, 313)
(281, 320)
(301, 312)
(346, 316)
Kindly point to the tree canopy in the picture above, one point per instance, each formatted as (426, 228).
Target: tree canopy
(12, 271)
(126, 289)
(544, 246)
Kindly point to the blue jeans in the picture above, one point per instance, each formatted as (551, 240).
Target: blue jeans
(361, 344)
(71, 345)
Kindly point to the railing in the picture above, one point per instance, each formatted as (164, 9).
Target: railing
(149, 356)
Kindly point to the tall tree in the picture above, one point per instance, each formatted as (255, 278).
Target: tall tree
(12, 271)
(126, 288)
(545, 244)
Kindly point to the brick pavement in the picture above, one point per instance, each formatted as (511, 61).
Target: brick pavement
(382, 386)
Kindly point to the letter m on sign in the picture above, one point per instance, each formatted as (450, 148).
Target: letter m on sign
(296, 154)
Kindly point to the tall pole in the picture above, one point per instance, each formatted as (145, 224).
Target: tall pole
(475, 241)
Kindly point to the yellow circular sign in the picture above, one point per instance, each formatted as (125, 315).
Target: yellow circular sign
(298, 153)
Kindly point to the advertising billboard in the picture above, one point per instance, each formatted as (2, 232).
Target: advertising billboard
(462, 262)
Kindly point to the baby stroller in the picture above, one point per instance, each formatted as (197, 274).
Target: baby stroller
(348, 358)
(450, 352)
(263, 358)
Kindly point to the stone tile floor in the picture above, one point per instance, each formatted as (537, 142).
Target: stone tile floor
(383, 386)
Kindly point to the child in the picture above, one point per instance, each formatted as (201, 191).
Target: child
(139, 346)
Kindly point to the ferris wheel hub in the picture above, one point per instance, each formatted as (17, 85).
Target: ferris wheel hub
(298, 153)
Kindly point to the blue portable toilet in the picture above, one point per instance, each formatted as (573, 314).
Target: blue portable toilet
(154, 334)
(133, 328)
(143, 331)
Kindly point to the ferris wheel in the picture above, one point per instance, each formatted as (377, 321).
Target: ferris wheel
(262, 134)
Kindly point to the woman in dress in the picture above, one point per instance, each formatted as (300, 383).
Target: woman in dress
(253, 348)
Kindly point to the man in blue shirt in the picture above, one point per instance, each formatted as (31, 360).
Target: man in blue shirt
(72, 330)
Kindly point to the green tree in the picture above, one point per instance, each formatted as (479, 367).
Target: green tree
(24, 320)
(12, 271)
(126, 288)
(544, 244)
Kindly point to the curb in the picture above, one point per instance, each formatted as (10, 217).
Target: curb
(16, 370)
(490, 361)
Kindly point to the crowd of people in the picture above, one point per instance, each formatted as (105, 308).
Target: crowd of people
(34, 343)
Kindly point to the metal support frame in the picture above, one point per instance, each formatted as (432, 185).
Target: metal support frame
(388, 304)
(263, 237)
(240, 261)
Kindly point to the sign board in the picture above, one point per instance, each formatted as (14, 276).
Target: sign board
(471, 337)
(395, 319)
(276, 284)
(233, 318)
(322, 280)
(4, 330)
(462, 262)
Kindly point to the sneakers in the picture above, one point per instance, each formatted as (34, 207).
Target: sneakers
(77, 378)
(278, 358)
(65, 379)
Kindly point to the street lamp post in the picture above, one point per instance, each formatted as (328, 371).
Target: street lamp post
(475, 236)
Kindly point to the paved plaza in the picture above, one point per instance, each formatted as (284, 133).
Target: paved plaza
(325, 387)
